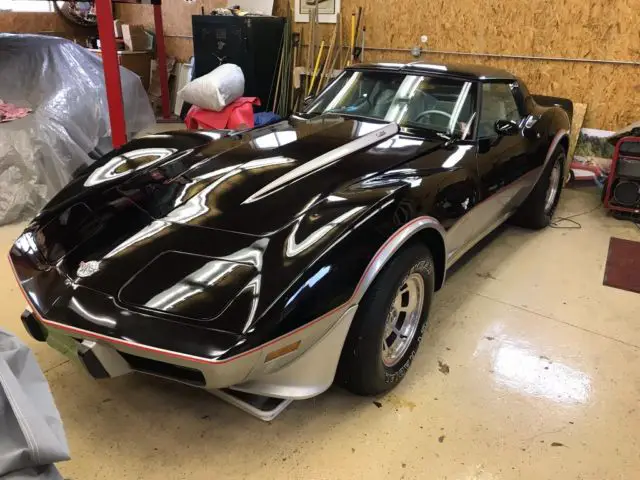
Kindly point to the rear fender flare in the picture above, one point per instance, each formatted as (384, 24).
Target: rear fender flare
(560, 138)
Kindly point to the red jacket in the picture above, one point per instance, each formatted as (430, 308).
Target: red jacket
(237, 115)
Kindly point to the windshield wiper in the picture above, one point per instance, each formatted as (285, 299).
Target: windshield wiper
(450, 139)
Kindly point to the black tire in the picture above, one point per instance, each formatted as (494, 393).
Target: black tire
(533, 213)
(362, 369)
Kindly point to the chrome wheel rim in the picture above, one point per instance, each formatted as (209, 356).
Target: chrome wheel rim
(554, 186)
(403, 319)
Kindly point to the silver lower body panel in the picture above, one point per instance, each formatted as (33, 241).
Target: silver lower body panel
(255, 383)
(261, 407)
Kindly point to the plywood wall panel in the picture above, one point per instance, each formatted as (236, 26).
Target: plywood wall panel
(601, 29)
(176, 14)
(42, 22)
(611, 92)
(574, 28)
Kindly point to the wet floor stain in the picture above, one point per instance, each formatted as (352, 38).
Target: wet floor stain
(377, 404)
(443, 367)
(486, 275)
(441, 438)
(400, 402)
(557, 444)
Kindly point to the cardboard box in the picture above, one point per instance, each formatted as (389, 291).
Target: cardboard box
(117, 28)
(134, 37)
(138, 62)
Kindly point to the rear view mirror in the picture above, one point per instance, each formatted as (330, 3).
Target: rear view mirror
(506, 127)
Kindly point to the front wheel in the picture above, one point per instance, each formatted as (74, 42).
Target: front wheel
(537, 210)
(387, 329)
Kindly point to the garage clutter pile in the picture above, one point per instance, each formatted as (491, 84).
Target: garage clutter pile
(217, 100)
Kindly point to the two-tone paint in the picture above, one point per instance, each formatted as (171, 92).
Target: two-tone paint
(210, 250)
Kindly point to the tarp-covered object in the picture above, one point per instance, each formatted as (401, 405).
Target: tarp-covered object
(64, 85)
(632, 130)
(31, 433)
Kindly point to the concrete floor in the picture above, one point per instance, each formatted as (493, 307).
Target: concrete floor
(529, 370)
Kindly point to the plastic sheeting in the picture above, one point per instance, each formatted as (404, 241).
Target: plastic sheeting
(32, 437)
(64, 85)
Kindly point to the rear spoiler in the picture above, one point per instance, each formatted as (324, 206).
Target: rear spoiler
(564, 103)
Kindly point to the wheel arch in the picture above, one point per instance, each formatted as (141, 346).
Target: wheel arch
(435, 241)
(425, 230)
(564, 142)
(561, 138)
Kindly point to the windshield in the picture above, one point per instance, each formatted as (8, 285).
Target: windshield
(443, 105)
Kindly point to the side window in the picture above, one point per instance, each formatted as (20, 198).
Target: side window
(497, 104)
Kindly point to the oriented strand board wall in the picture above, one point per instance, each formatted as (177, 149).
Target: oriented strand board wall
(176, 20)
(598, 29)
(41, 22)
(601, 29)
(611, 92)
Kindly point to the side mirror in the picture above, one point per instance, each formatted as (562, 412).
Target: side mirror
(506, 127)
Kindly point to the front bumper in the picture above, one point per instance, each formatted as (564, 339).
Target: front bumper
(297, 373)
(106, 357)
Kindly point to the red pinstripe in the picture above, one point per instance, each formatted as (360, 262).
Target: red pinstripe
(193, 358)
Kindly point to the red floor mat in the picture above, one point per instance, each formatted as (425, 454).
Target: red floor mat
(623, 265)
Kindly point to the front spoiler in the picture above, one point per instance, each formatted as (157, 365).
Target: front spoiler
(303, 373)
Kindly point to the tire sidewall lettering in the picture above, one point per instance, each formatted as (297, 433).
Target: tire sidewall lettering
(425, 268)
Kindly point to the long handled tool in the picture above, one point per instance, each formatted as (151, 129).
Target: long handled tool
(323, 74)
(313, 15)
(338, 53)
(352, 38)
(315, 69)
(355, 51)
(340, 39)
(296, 44)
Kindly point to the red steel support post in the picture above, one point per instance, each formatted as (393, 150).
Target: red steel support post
(111, 67)
(161, 55)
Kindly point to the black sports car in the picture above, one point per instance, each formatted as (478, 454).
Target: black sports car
(276, 260)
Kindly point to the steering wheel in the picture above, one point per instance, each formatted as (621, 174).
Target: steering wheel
(428, 112)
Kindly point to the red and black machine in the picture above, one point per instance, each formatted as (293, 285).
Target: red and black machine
(622, 191)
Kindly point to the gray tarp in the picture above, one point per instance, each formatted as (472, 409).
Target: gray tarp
(64, 85)
(31, 433)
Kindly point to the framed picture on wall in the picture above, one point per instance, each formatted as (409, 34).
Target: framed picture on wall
(327, 10)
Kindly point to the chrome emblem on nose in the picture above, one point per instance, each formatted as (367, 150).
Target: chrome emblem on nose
(86, 269)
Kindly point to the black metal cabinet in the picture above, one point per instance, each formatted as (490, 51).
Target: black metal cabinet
(252, 43)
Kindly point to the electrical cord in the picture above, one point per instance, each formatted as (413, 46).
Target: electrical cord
(556, 222)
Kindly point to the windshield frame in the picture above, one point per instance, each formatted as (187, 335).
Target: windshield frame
(473, 93)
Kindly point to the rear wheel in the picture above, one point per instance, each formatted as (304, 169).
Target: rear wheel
(388, 326)
(538, 209)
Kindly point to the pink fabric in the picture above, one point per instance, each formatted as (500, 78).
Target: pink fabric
(237, 115)
(9, 111)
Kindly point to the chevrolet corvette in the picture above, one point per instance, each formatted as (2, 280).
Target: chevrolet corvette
(278, 260)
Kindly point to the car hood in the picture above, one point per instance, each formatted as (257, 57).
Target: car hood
(255, 182)
(261, 181)
(211, 228)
